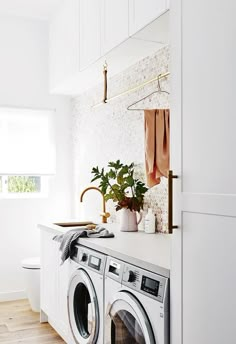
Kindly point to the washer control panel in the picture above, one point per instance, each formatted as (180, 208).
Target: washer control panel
(145, 282)
(90, 258)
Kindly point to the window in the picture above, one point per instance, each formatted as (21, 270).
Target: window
(23, 186)
(27, 151)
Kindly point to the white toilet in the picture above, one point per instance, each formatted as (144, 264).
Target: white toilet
(31, 267)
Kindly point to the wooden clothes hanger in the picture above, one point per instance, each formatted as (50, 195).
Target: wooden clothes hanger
(159, 90)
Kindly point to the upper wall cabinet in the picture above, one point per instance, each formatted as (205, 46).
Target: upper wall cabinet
(115, 23)
(90, 32)
(83, 33)
(143, 12)
(64, 43)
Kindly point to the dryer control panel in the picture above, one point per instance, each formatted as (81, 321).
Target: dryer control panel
(151, 284)
(143, 281)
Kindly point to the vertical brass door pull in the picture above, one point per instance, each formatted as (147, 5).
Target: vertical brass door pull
(105, 82)
(170, 202)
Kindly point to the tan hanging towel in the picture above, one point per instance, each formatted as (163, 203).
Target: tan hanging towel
(157, 146)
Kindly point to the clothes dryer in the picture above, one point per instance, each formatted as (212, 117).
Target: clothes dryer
(136, 305)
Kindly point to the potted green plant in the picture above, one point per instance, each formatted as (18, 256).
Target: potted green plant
(119, 185)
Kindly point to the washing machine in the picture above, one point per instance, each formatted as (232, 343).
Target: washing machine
(136, 305)
(85, 297)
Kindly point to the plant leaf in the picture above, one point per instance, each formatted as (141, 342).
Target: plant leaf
(129, 180)
(95, 178)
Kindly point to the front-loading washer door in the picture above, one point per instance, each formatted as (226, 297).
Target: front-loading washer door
(83, 309)
(127, 321)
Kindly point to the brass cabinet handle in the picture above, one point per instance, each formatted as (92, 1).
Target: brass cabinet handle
(170, 202)
(105, 82)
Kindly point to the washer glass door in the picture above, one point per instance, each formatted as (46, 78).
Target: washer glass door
(83, 308)
(127, 321)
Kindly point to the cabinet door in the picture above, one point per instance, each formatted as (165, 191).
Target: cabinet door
(143, 12)
(203, 122)
(63, 281)
(64, 43)
(49, 253)
(115, 23)
(90, 32)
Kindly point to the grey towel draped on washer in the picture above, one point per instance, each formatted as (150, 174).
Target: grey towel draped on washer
(70, 238)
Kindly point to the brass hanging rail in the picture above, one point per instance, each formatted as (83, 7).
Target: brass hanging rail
(133, 89)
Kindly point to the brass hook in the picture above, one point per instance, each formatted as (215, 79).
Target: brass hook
(158, 83)
(105, 65)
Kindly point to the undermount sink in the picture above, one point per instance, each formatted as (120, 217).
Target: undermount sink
(74, 224)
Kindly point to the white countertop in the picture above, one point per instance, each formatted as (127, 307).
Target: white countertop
(148, 251)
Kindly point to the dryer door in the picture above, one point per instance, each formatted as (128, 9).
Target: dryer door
(127, 321)
(83, 309)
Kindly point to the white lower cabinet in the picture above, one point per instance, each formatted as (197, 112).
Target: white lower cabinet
(54, 283)
(63, 280)
(48, 274)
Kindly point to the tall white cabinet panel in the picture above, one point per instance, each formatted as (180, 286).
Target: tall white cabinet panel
(210, 128)
(209, 281)
(143, 12)
(203, 136)
(90, 32)
(64, 42)
(115, 23)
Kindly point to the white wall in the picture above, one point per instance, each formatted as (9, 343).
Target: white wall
(24, 83)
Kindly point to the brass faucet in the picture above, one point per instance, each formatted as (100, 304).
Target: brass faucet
(104, 214)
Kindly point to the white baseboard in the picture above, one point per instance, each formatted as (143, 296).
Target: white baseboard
(13, 295)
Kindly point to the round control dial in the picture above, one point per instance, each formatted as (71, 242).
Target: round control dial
(83, 257)
(129, 276)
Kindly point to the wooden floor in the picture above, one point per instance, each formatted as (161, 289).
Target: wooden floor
(18, 324)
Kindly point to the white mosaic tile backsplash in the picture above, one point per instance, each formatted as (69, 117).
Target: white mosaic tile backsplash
(110, 132)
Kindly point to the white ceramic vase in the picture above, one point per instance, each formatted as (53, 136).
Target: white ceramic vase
(128, 220)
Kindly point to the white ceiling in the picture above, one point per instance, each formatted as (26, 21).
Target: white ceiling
(38, 9)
